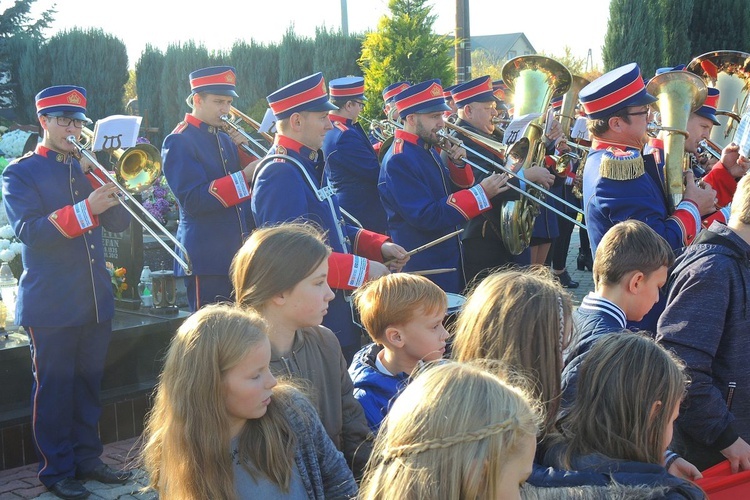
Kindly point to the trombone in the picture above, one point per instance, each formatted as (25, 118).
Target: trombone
(233, 120)
(135, 166)
(443, 135)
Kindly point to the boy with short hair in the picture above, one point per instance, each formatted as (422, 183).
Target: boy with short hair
(403, 314)
(629, 269)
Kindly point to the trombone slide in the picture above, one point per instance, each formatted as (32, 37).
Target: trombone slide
(123, 193)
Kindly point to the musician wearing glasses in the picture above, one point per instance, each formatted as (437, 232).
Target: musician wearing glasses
(65, 301)
(482, 241)
(290, 184)
(210, 179)
(351, 162)
(423, 198)
(619, 182)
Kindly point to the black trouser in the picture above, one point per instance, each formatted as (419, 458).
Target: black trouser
(484, 255)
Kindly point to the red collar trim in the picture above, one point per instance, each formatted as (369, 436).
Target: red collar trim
(407, 136)
(289, 144)
(655, 142)
(341, 119)
(192, 120)
(598, 143)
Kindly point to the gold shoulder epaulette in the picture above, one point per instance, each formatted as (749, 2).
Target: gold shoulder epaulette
(621, 165)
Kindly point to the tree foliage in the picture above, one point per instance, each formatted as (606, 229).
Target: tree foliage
(336, 54)
(148, 71)
(634, 34)
(257, 67)
(94, 60)
(719, 25)
(404, 47)
(295, 57)
(675, 18)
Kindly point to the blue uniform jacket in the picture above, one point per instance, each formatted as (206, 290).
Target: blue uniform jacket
(65, 281)
(595, 317)
(199, 161)
(282, 194)
(374, 390)
(423, 203)
(353, 169)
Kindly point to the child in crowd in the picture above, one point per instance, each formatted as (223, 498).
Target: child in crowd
(521, 318)
(621, 421)
(457, 431)
(222, 428)
(629, 269)
(403, 314)
(280, 273)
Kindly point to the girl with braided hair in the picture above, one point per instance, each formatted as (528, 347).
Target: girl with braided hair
(457, 431)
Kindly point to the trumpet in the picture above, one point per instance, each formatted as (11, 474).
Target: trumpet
(138, 167)
(233, 120)
(711, 148)
(446, 139)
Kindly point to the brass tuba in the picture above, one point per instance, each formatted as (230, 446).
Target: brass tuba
(534, 80)
(728, 71)
(569, 103)
(679, 94)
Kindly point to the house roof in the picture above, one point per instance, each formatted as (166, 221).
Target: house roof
(498, 45)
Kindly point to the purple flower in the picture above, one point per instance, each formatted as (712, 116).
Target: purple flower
(159, 192)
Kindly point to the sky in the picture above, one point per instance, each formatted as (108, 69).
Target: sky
(548, 24)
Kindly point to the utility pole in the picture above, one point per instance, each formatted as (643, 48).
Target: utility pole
(344, 19)
(463, 42)
(589, 62)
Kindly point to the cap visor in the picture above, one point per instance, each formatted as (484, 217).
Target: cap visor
(75, 115)
(323, 106)
(643, 100)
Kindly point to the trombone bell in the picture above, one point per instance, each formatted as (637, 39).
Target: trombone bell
(137, 167)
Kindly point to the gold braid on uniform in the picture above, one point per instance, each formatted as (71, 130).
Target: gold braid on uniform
(621, 165)
(442, 443)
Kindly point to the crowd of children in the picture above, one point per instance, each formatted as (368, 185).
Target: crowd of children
(527, 398)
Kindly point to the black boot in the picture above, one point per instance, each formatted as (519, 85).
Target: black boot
(584, 261)
(565, 280)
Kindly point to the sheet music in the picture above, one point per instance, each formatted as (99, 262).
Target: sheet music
(579, 130)
(116, 132)
(517, 127)
(268, 124)
(742, 136)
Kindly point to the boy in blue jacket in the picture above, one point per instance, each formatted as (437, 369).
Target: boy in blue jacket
(404, 315)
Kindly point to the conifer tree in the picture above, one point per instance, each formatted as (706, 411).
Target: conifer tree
(634, 34)
(148, 72)
(257, 67)
(295, 57)
(676, 16)
(336, 55)
(94, 60)
(404, 48)
(719, 25)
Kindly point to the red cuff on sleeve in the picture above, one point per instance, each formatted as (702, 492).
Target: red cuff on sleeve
(340, 266)
(66, 222)
(688, 225)
(465, 202)
(367, 244)
(723, 183)
(461, 176)
(224, 190)
(716, 216)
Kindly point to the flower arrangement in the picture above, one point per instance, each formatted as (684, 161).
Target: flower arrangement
(117, 276)
(159, 200)
(10, 246)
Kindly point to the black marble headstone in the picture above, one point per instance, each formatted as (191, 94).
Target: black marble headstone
(125, 249)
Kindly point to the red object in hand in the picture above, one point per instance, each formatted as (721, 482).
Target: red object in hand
(720, 484)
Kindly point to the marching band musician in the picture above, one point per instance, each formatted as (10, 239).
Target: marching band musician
(290, 184)
(205, 171)
(425, 200)
(351, 162)
(482, 240)
(58, 213)
(389, 93)
(450, 102)
(699, 128)
(620, 183)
